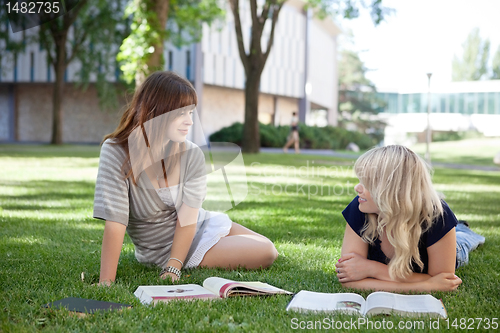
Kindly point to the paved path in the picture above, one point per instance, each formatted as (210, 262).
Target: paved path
(328, 152)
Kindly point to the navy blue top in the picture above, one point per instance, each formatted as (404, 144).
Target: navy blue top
(356, 220)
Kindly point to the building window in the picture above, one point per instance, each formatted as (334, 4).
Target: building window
(490, 102)
(170, 60)
(32, 66)
(442, 103)
(480, 102)
(48, 69)
(188, 64)
(405, 101)
(15, 67)
(461, 103)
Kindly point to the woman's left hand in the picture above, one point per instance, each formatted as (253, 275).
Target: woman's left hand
(171, 275)
(352, 267)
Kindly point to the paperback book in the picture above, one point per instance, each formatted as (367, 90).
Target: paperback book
(84, 306)
(213, 288)
(376, 303)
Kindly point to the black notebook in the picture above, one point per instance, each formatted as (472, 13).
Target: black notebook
(83, 305)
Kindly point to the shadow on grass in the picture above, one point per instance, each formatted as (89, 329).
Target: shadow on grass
(48, 151)
(454, 176)
(289, 220)
(48, 195)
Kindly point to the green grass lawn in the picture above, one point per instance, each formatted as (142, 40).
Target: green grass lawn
(50, 246)
(471, 151)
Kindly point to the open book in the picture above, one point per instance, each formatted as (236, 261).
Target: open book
(376, 303)
(213, 287)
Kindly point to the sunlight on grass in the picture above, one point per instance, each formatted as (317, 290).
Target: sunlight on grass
(470, 151)
(49, 238)
(30, 240)
(483, 188)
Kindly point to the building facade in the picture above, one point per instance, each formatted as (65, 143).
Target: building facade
(457, 106)
(300, 75)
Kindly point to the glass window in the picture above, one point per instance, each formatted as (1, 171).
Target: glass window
(423, 103)
(470, 103)
(442, 103)
(452, 101)
(414, 103)
(460, 103)
(497, 103)
(434, 103)
(393, 103)
(481, 97)
(405, 101)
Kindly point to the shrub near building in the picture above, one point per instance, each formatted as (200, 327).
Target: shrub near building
(310, 136)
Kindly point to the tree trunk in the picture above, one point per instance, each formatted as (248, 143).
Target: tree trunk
(160, 7)
(57, 94)
(251, 133)
(155, 61)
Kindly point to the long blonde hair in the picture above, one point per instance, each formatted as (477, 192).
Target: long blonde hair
(400, 184)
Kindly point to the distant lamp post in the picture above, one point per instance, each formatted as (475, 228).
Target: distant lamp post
(428, 139)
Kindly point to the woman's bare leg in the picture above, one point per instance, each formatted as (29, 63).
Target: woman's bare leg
(288, 144)
(241, 247)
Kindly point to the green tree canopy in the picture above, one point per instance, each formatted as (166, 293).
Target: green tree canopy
(473, 65)
(152, 22)
(495, 64)
(358, 101)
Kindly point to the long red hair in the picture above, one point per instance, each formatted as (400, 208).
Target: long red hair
(160, 93)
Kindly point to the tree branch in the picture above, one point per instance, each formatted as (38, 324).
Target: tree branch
(45, 43)
(70, 16)
(234, 4)
(77, 45)
(270, 41)
(253, 12)
(265, 11)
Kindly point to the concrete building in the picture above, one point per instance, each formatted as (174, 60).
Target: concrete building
(300, 75)
(457, 106)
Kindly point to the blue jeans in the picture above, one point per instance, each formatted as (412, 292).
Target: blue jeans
(467, 240)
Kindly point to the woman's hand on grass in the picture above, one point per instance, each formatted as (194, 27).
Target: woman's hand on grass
(352, 267)
(443, 282)
(106, 283)
(171, 275)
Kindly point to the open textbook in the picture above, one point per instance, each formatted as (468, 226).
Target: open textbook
(376, 303)
(213, 287)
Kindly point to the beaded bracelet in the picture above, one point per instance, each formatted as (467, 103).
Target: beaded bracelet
(171, 269)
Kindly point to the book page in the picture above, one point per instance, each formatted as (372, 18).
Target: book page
(384, 302)
(224, 287)
(214, 284)
(153, 294)
(306, 301)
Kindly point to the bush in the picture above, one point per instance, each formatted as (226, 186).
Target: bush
(310, 136)
(231, 133)
(455, 136)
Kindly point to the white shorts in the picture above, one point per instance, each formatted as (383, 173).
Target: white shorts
(218, 227)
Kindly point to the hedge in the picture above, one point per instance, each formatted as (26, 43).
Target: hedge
(313, 137)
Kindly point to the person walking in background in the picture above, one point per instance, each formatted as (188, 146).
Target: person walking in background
(293, 137)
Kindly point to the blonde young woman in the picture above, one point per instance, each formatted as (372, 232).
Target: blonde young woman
(160, 208)
(400, 235)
